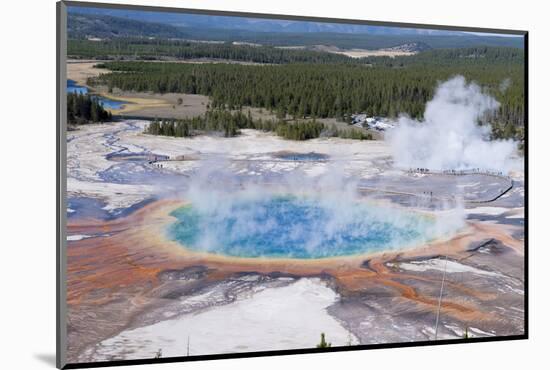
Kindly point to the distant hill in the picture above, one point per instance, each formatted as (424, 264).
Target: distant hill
(104, 26)
(253, 24)
(86, 25)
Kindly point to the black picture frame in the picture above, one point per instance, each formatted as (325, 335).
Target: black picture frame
(61, 130)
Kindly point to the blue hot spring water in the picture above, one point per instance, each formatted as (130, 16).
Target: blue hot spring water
(297, 227)
(311, 156)
(73, 87)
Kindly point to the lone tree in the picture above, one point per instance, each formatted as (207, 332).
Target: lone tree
(323, 343)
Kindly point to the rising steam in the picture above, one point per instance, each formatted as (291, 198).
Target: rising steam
(236, 213)
(450, 136)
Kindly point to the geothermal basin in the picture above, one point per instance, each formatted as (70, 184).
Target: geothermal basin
(287, 247)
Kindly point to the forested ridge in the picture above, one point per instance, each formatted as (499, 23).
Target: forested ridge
(145, 49)
(230, 123)
(82, 26)
(158, 49)
(323, 90)
(474, 56)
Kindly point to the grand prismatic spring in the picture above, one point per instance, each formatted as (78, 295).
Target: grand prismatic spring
(299, 227)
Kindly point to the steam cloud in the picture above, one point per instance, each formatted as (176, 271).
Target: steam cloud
(505, 85)
(450, 137)
(216, 192)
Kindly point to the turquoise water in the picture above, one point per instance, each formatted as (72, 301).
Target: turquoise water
(311, 156)
(292, 227)
(73, 87)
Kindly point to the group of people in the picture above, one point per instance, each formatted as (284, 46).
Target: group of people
(419, 170)
(473, 171)
(157, 165)
(154, 159)
(459, 172)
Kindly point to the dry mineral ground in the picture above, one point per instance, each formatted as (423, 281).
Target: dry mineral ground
(354, 53)
(153, 105)
(79, 70)
(363, 53)
(131, 290)
(139, 104)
